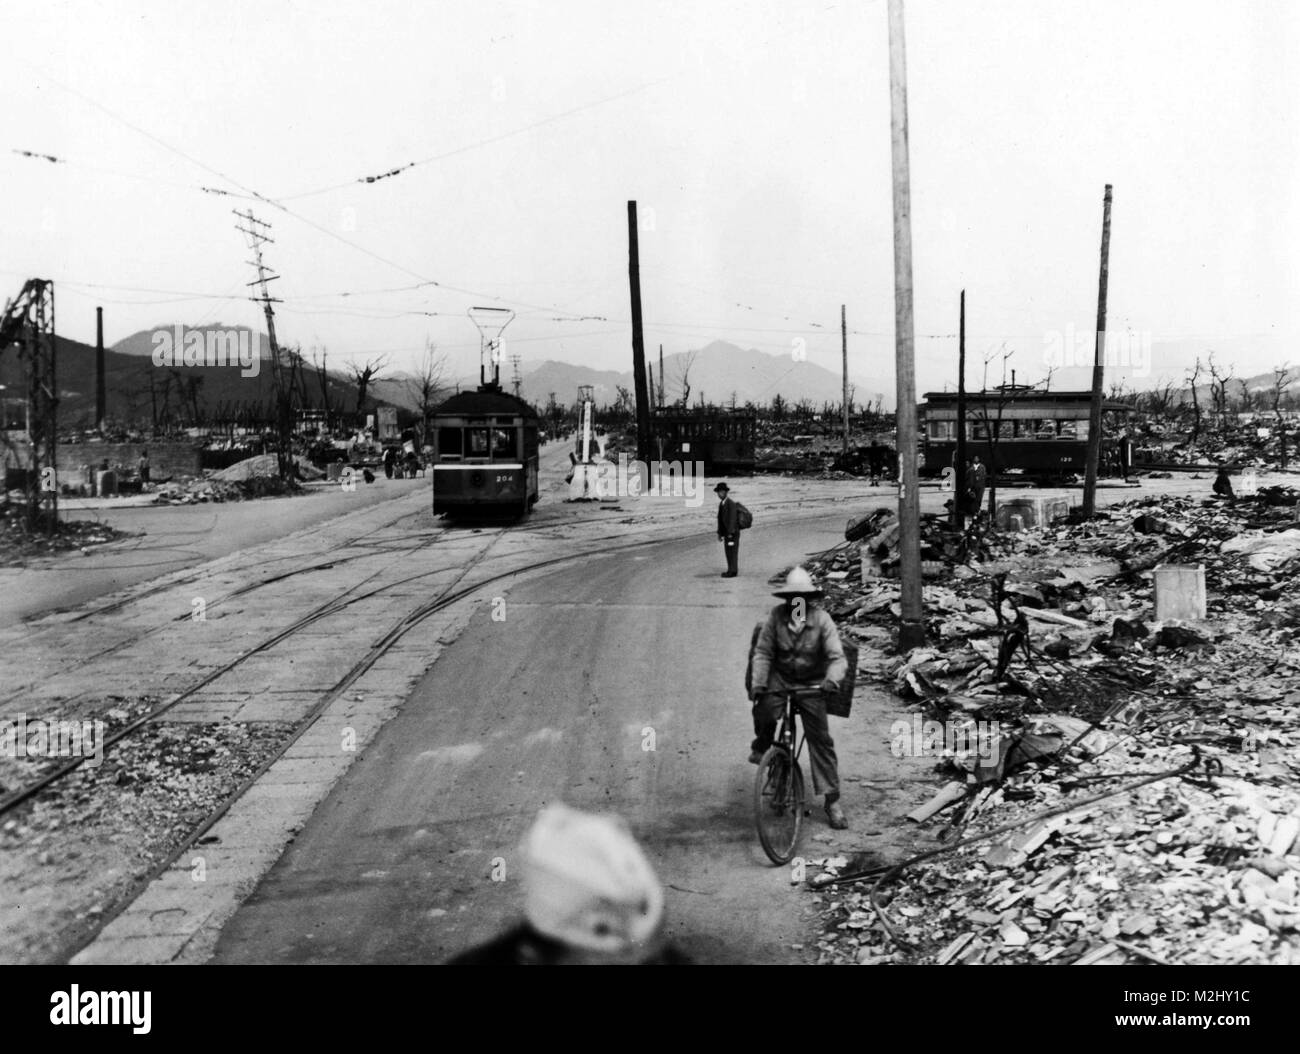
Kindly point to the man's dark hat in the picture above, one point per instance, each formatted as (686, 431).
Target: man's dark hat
(720, 487)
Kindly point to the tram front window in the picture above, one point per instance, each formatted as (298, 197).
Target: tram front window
(503, 443)
(476, 442)
(449, 443)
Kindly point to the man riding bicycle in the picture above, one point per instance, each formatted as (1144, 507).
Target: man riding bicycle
(798, 646)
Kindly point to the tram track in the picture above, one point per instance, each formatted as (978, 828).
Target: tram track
(453, 593)
(519, 558)
(335, 605)
(373, 550)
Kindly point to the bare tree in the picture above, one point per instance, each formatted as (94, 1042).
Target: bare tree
(133, 396)
(1158, 400)
(1194, 375)
(193, 387)
(363, 373)
(993, 428)
(1281, 381)
(428, 386)
(684, 364)
(1219, 391)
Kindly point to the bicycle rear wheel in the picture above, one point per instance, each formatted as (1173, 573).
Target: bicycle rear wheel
(778, 804)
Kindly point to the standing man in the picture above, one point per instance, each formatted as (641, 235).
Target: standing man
(800, 645)
(143, 466)
(728, 529)
(978, 480)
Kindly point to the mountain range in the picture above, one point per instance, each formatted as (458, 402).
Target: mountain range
(720, 373)
(717, 373)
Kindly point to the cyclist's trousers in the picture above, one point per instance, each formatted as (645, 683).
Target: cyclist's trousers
(812, 715)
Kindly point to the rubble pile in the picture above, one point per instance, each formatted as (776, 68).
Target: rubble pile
(264, 466)
(211, 489)
(1047, 683)
(1251, 439)
(20, 541)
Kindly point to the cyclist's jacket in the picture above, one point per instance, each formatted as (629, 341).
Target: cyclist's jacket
(809, 654)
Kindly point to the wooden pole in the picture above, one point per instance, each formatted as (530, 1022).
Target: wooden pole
(844, 345)
(911, 632)
(101, 400)
(959, 477)
(1098, 369)
(638, 340)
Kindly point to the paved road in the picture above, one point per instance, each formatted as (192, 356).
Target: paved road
(557, 703)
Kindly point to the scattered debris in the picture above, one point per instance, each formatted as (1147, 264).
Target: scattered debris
(1048, 679)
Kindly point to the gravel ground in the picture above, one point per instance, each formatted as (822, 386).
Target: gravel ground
(70, 854)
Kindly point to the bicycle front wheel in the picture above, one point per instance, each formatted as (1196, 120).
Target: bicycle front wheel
(778, 804)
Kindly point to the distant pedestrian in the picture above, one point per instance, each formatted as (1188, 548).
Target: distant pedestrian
(143, 466)
(977, 480)
(1223, 485)
(728, 529)
(874, 457)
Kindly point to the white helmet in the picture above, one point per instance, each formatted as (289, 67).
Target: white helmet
(587, 883)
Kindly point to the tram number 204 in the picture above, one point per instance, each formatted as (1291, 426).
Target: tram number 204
(503, 477)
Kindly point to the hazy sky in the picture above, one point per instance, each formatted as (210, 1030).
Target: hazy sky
(755, 137)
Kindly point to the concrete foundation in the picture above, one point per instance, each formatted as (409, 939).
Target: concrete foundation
(1018, 514)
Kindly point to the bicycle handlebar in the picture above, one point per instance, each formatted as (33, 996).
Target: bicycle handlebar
(808, 691)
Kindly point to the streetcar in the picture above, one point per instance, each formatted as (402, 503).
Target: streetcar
(1042, 435)
(722, 439)
(485, 442)
(485, 446)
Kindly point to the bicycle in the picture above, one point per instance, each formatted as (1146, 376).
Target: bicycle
(779, 800)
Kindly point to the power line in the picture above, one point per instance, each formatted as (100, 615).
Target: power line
(478, 144)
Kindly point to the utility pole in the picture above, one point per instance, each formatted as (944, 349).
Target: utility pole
(1098, 369)
(959, 512)
(100, 397)
(844, 347)
(661, 376)
(28, 321)
(257, 236)
(911, 631)
(638, 341)
(515, 380)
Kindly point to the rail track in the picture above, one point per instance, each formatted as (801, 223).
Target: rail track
(401, 546)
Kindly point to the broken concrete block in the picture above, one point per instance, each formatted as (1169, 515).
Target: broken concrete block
(1285, 832)
(1179, 592)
